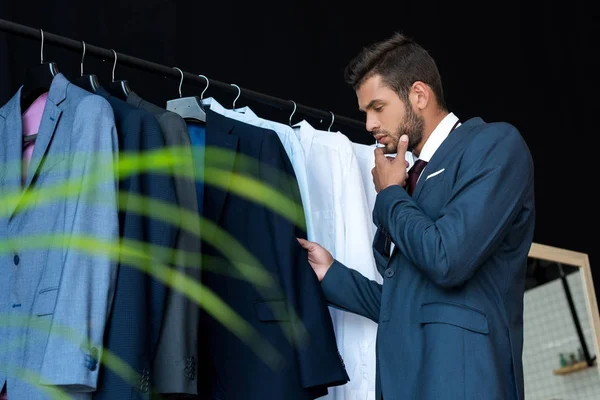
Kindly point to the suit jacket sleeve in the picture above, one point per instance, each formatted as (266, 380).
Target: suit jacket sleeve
(495, 178)
(349, 290)
(151, 227)
(88, 279)
(138, 310)
(174, 366)
(318, 359)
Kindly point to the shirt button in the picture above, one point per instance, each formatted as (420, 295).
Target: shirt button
(389, 272)
(16, 259)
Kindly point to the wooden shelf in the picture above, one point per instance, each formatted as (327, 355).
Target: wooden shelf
(571, 368)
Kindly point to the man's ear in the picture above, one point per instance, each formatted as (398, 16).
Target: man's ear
(420, 95)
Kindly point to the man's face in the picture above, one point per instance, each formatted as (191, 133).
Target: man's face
(388, 117)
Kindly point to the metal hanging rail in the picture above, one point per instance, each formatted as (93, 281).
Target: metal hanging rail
(75, 45)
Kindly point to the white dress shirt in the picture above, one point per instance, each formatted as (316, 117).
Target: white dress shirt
(290, 142)
(366, 161)
(439, 134)
(342, 224)
(365, 155)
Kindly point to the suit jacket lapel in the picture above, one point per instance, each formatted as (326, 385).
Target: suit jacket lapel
(50, 117)
(52, 112)
(10, 153)
(219, 137)
(47, 128)
(447, 147)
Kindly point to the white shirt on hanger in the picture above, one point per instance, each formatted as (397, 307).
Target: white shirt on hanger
(365, 154)
(342, 223)
(290, 142)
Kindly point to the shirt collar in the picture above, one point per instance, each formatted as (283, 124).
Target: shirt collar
(215, 106)
(305, 133)
(438, 135)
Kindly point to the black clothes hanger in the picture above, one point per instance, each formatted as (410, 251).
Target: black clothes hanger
(38, 79)
(236, 97)
(332, 120)
(88, 82)
(293, 112)
(120, 88)
(190, 107)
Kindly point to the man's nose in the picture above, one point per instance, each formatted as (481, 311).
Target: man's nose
(372, 124)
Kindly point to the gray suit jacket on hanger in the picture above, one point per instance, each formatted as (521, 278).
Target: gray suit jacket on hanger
(57, 281)
(175, 368)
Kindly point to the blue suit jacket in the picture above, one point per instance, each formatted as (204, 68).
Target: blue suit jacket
(55, 296)
(291, 315)
(450, 310)
(135, 322)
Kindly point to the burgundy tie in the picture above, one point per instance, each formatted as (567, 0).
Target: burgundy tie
(413, 175)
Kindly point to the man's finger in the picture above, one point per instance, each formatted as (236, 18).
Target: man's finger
(305, 243)
(402, 146)
(380, 156)
(399, 160)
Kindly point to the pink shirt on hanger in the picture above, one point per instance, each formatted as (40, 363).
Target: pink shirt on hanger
(32, 118)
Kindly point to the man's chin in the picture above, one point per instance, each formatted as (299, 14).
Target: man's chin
(390, 149)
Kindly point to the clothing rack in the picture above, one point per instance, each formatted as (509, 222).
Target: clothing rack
(74, 45)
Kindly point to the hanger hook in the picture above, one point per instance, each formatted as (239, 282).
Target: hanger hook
(207, 83)
(293, 112)
(114, 65)
(82, 57)
(238, 95)
(42, 47)
(181, 81)
(331, 124)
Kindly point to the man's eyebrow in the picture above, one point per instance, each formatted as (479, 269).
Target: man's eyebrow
(371, 104)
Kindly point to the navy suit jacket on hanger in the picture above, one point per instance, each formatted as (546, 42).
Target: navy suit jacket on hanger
(137, 314)
(300, 359)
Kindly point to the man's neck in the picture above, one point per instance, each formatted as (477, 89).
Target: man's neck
(431, 123)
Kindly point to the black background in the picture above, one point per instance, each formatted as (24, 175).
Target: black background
(525, 63)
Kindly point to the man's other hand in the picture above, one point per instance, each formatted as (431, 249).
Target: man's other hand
(319, 259)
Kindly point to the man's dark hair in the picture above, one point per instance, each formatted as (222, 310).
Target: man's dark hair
(401, 62)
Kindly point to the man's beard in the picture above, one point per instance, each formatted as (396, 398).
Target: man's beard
(412, 126)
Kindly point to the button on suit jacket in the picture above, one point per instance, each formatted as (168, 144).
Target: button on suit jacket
(56, 288)
(135, 323)
(301, 359)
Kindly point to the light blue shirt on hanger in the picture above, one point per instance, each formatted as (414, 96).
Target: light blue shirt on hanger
(290, 142)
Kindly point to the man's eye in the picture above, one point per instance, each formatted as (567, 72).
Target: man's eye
(378, 108)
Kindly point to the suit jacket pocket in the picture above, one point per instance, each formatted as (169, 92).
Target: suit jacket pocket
(45, 301)
(272, 311)
(454, 314)
(381, 258)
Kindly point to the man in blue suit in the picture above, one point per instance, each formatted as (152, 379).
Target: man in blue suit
(459, 224)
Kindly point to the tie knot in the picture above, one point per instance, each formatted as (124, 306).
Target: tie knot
(418, 167)
(413, 175)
